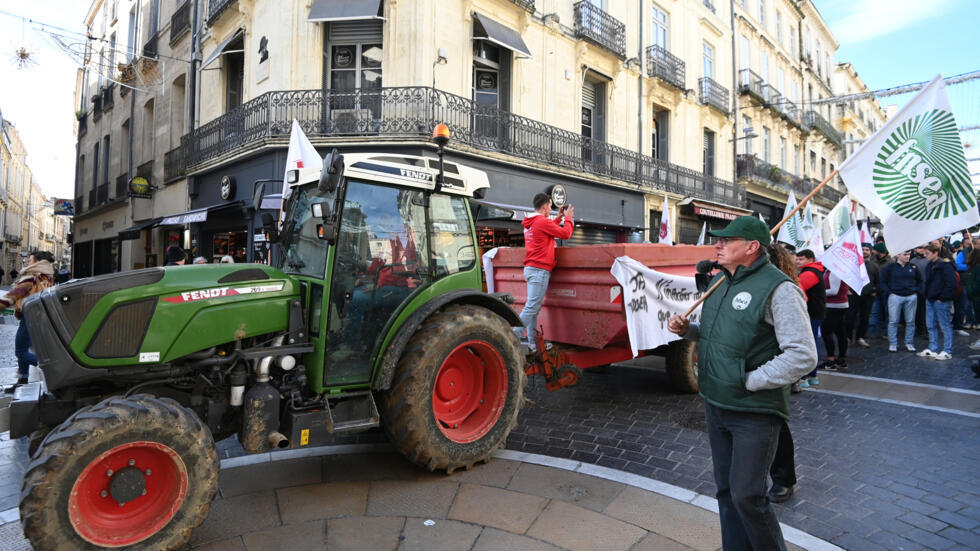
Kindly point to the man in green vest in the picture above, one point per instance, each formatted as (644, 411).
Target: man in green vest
(754, 341)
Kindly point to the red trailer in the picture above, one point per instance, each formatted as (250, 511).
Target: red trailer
(582, 323)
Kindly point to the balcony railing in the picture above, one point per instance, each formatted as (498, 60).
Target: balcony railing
(97, 106)
(790, 111)
(150, 48)
(216, 8)
(175, 164)
(750, 83)
(813, 120)
(102, 194)
(412, 112)
(180, 22)
(750, 166)
(146, 171)
(12, 238)
(93, 198)
(107, 97)
(83, 124)
(122, 186)
(713, 94)
(665, 66)
(528, 5)
(599, 27)
(79, 204)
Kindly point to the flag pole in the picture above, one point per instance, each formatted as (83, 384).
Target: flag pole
(773, 231)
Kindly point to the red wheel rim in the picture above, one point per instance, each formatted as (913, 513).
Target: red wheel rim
(97, 515)
(470, 391)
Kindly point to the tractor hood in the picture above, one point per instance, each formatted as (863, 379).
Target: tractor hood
(153, 316)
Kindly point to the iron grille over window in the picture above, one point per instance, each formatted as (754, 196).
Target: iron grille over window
(665, 66)
(216, 8)
(600, 28)
(713, 94)
(180, 22)
(528, 5)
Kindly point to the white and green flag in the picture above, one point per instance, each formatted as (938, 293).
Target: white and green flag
(912, 173)
(792, 231)
(839, 218)
(704, 227)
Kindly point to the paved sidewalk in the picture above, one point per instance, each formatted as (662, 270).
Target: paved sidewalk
(945, 399)
(350, 499)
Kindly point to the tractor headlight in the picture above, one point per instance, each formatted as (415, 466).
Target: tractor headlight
(292, 176)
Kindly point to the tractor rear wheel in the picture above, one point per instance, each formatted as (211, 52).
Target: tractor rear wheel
(137, 472)
(457, 389)
(682, 365)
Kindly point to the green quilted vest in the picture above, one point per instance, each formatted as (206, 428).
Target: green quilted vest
(735, 339)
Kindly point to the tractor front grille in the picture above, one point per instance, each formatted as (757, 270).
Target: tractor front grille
(122, 331)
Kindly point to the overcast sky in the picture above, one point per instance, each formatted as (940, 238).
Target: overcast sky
(890, 42)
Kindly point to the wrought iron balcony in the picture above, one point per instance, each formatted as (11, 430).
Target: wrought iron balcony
(665, 66)
(122, 186)
(79, 204)
(216, 8)
(751, 84)
(107, 97)
(412, 112)
(600, 28)
(180, 22)
(750, 166)
(175, 164)
(150, 48)
(83, 124)
(146, 171)
(93, 198)
(790, 112)
(528, 5)
(102, 194)
(713, 95)
(813, 121)
(13, 238)
(773, 97)
(97, 106)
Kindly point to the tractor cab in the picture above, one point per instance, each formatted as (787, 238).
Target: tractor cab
(371, 237)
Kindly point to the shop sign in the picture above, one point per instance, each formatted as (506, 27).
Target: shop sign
(139, 187)
(713, 213)
(64, 207)
(227, 188)
(108, 224)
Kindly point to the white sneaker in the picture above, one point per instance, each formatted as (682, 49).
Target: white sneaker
(926, 354)
(862, 342)
(975, 346)
(911, 348)
(962, 333)
(943, 356)
(892, 348)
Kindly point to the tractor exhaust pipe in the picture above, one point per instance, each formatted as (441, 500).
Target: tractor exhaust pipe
(278, 440)
(260, 415)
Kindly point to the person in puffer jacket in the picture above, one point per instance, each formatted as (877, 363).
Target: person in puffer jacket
(36, 277)
(940, 294)
(540, 232)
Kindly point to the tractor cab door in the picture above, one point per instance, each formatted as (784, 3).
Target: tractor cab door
(380, 260)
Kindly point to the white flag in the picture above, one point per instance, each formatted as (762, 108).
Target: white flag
(844, 258)
(301, 154)
(816, 243)
(792, 231)
(840, 218)
(761, 218)
(665, 235)
(704, 226)
(865, 234)
(650, 298)
(912, 173)
(807, 221)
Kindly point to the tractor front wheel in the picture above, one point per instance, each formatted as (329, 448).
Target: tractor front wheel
(682, 365)
(137, 472)
(457, 389)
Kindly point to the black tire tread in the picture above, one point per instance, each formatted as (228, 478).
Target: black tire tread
(682, 373)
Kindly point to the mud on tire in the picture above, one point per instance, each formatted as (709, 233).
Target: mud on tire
(457, 389)
(682, 365)
(74, 457)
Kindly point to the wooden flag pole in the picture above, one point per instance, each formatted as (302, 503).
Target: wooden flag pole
(773, 231)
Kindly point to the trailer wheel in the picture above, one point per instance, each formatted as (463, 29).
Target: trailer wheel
(136, 472)
(457, 389)
(682, 365)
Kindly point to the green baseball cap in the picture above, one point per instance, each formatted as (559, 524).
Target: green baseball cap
(747, 227)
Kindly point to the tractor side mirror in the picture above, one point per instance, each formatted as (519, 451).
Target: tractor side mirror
(270, 228)
(327, 228)
(332, 172)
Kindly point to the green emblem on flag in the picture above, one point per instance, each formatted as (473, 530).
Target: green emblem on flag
(921, 171)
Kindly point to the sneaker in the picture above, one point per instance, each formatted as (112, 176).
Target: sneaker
(943, 356)
(779, 493)
(862, 342)
(804, 384)
(926, 354)
(813, 381)
(892, 348)
(975, 346)
(884, 337)
(797, 387)
(962, 333)
(841, 364)
(911, 348)
(829, 365)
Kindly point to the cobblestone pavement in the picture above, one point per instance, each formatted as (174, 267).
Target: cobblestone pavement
(873, 475)
(876, 361)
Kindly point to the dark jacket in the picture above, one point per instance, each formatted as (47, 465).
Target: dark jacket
(941, 280)
(901, 280)
(735, 339)
(874, 274)
(811, 280)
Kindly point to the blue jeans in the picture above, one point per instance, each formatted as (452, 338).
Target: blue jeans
(22, 349)
(815, 327)
(937, 317)
(879, 315)
(743, 446)
(897, 305)
(537, 285)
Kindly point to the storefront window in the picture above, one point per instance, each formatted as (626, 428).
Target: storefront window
(229, 243)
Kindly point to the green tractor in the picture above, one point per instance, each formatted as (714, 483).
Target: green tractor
(373, 315)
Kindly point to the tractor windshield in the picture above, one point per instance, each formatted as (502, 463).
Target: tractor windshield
(303, 252)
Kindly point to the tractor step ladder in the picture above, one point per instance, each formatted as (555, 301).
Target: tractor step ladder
(352, 412)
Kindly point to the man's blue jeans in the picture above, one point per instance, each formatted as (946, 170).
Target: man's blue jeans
(897, 306)
(537, 285)
(743, 446)
(879, 315)
(22, 349)
(937, 317)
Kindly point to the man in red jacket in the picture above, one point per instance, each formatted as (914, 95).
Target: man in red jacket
(540, 232)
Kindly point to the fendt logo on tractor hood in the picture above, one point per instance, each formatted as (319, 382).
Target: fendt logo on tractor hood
(219, 292)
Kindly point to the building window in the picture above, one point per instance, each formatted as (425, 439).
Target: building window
(353, 60)
(744, 55)
(796, 160)
(816, 61)
(659, 139)
(766, 143)
(764, 70)
(95, 165)
(707, 60)
(782, 153)
(660, 25)
(781, 80)
(762, 13)
(792, 40)
(131, 39)
(813, 163)
(233, 67)
(823, 167)
(709, 152)
(779, 27)
(105, 160)
(746, 142)
(148, 127)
